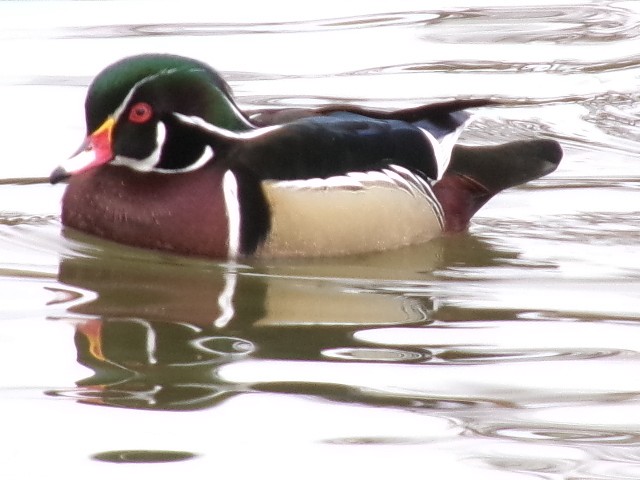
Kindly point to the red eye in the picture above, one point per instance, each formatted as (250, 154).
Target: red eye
(141, 112)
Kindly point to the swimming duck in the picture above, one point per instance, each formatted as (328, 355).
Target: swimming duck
(171, 163)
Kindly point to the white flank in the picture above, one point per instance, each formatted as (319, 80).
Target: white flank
(232, 205)
(398, 179)
(370, 176)
(225, 300)
(419, 187)
(341, 181)
(349, 181)
(392, 177)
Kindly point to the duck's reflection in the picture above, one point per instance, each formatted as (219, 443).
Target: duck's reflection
(158, 328)
(148, 364)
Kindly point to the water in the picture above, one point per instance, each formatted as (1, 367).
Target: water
(510, 352)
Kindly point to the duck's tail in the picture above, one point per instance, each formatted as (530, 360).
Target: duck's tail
(476, 174)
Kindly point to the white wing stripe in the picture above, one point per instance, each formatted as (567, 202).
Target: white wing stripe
(443, 147)
(442, 158)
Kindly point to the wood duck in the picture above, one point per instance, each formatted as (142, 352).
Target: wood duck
(171, 163)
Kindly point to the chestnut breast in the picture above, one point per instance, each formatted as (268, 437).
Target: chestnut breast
(183, 213)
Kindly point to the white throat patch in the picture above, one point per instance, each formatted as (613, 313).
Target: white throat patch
(149, 163)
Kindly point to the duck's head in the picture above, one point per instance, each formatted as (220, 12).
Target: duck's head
(131, 109)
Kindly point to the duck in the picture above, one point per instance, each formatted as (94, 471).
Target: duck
(170, 162)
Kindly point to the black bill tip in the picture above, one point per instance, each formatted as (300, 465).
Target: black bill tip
(58, 175)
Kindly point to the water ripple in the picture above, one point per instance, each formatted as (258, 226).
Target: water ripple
(565, 434)
(514, 348)
(549, 23)
(472, 356)
(252, 28)
(602, 228)
(619, 454)
(515, 24)
(376, 355)
(608, 471)
(541, 463)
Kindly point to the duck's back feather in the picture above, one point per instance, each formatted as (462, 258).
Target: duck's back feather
(339, 139)
(337, 144)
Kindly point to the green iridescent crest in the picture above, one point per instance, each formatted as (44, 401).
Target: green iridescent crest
(189, 87)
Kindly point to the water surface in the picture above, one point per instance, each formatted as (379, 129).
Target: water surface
(510, 352)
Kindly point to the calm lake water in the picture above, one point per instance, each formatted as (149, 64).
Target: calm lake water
(510, 352)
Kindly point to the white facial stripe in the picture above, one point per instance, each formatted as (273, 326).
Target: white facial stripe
(204, 125)
(207, 154)
(201, 123)
(149, 163)
(238, 113)
(259, 132)
(232, 204)
(169, 71)
(118, 111)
